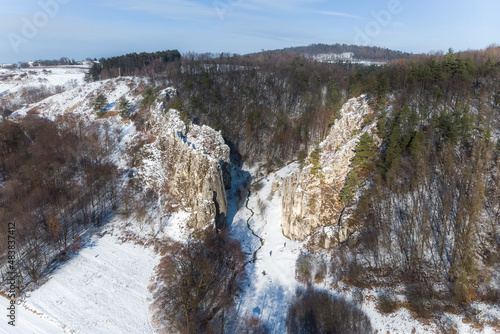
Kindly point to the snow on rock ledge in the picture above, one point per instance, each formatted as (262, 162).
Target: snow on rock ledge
(187, 166)
(311, 200)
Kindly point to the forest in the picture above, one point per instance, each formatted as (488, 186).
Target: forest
(57, 182)
(143, 64)
(360, 52)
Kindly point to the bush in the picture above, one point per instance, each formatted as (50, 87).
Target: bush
(421, 301)
(356, 276)
(304, 268)
(386, 303)
(320, 312)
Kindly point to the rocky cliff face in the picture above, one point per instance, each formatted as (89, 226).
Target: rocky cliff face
(310, 197)
(189, 167)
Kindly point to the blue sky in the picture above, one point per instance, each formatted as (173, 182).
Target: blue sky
(48, 29)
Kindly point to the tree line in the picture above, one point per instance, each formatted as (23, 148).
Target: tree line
(144, 63)
(360, 52)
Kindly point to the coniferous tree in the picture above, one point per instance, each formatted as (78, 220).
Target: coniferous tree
(365, 151)
(124, 107)
(100, 104)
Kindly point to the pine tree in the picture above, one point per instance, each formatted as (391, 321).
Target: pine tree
(100, 105)
(393, 149)
(124, 107)
(350, 188)
(149, 96)
(417, 144)
(365, 152)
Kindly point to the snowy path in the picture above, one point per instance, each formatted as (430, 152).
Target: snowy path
(254, 254)
(257, 224)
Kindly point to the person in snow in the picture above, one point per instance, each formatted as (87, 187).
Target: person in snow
(271, 253)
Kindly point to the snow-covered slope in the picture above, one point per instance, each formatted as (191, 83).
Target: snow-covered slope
(27, 322)
(80, 100)
(102, 289)
(16, 80)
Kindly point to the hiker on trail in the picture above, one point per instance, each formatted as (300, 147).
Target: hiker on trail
(285, 244)
(271, 253)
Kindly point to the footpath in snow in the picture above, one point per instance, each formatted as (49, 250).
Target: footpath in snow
(272, 275)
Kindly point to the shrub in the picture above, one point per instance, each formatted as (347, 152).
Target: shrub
(420, 300)
(320, 312)
(386, 303)
(304, 268)
(356, 276)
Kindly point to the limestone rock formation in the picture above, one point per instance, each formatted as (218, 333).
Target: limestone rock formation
(310, 197)
(187, 165)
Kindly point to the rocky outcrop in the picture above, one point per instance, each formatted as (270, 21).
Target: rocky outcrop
(188, 165)
(310, 197)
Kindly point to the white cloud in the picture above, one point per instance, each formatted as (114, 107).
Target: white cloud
(340, 14)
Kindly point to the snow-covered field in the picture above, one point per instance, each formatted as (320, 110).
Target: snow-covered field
(27, 322)
(16, 80)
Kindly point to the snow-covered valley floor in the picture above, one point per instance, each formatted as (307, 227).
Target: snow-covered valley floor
(272, 275)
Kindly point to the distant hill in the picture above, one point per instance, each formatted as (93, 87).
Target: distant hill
(358, 52)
